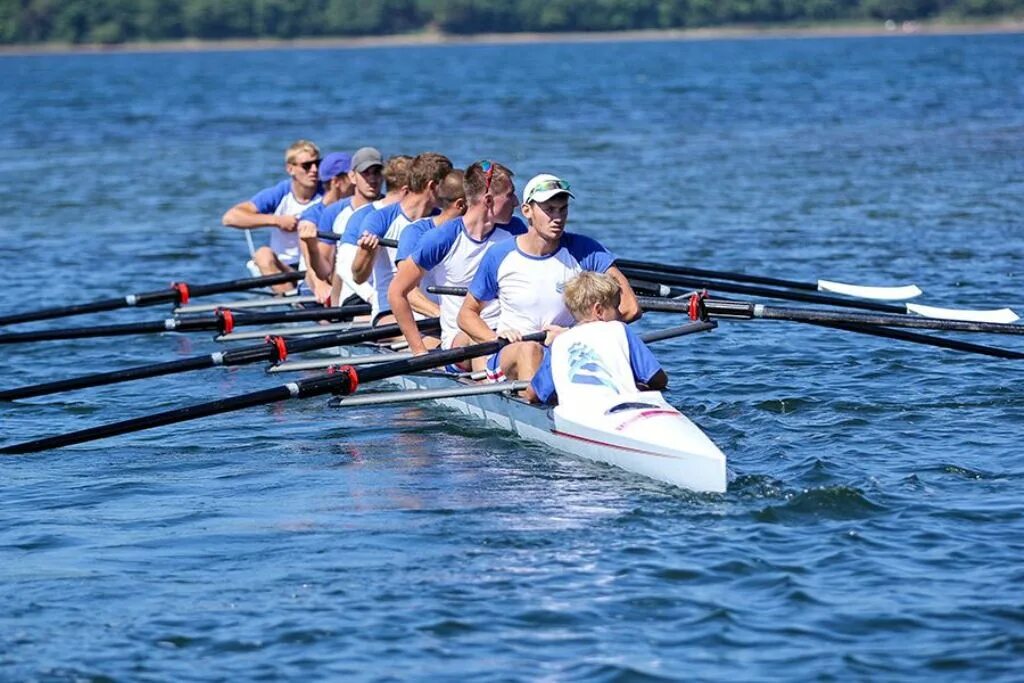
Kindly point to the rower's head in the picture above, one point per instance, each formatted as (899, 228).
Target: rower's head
(427, 173)
(592, 296)
(490, 183)
(302, 163)
(334, 170)
(451, 195)
(546, 205)
(367, 173)
(396, 174)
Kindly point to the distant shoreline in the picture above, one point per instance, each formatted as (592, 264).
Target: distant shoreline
(737, 32)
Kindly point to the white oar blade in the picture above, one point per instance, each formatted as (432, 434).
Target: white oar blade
(864, 292)
(1001, 315)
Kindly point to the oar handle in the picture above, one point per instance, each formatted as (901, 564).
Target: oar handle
(335, 237)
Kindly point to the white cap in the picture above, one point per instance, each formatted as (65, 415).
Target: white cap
(543, 187)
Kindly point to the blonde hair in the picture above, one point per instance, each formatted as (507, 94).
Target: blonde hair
(396, 172)
(590, 288)
(300, 146)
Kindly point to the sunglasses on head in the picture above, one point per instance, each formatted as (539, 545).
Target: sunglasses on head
(488, 169)
(306, 165)
(547, 185)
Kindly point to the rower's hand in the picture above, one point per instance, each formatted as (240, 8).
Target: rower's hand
(322, 292)
(288, 223)
(512, 336)
(307, 230)
(553, 331)
(368, 241)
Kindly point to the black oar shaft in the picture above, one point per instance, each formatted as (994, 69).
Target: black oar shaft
(246, 355)
(719, 274)
(714, 285)
(929, 340)
(189, 323)
(338, 383)
(174, 294)
(335, 237)
(747, 311)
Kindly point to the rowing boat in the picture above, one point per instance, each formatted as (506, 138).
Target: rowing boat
(641, 433)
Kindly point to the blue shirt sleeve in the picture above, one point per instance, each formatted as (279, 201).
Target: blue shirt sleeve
(267, 200)
(543, 383)
(312, 214)
(644, 364)
(485, 283)
(516, 226)
(411, 238)
(355, 224)
(436, 244)
(589, 253)
(378, 222)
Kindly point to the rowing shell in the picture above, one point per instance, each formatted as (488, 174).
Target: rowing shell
(640, 433)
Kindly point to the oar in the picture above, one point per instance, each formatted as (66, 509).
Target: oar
(745, 310)
(343, 382)
(275, 349)
(222, 321)
(238, 305)
(913, 337)
(179, 294)
(897, 293)
(1004, 315)
(335, 237)
(700, 283)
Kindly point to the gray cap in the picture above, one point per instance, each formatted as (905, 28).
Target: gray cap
(365, 157)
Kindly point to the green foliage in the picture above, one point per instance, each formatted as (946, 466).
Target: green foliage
(114, 21)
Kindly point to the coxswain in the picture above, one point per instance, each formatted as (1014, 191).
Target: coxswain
(527, 276)
(599, 354)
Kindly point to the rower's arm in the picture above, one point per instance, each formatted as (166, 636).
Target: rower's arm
(472, 323)
(422, 304)
(629, 308)
(406, 281)
(319, 256)
(245, 216)
(362, 264)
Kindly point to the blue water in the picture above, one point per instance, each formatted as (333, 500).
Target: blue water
(874, 527)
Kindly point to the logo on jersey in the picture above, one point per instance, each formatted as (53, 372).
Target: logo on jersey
(585, 367)
(560, 288)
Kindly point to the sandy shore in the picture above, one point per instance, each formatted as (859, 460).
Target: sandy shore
(434, 38)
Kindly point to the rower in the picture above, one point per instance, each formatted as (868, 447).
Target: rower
(451, 201)
(377, 266)
(364, 177)
(526, 276)
(278, 207)
(396, 184)
(452, 253)
(336, 184)
(599, 354)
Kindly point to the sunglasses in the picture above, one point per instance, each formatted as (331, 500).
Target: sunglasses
(306, 165)
(488, 169)
(546, 185)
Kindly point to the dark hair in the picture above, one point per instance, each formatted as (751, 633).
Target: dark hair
(427, 167)
(451, 189)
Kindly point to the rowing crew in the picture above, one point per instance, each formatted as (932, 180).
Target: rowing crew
(457, 229)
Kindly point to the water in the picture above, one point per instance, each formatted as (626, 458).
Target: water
(873, 528)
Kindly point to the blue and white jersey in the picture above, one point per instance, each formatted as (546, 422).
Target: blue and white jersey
(593, 358)
(333, 218)
(452, 258)
(408, 243)
(349, 223)
(388, 223)
(529, 288)
(279, 201)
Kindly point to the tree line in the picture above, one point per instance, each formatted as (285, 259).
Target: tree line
(115, 21)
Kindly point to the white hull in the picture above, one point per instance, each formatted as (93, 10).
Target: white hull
(652, 439)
